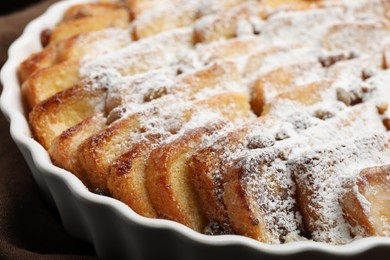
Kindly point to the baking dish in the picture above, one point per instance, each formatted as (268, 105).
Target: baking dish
(112, 227)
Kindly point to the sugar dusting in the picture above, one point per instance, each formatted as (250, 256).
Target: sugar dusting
(319, 146)
(323, 173)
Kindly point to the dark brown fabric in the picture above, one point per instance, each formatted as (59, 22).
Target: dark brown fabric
(12, 6)
(29, 228)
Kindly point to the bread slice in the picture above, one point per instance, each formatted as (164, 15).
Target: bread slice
(256, 63)
(342, 36)
(232, 49)
(145, 87)
(376, 9)
(63, 149)
(166, 17)
(85, 10)
(126, 178)
(325, 222)
(248, 177)
(138, 7)
(216, 77)
(208, 166)
(96, 153)
(365, 202)
(276, 3)
(259, 196)
(321, 175)
(306, 95)
(297, 5)
(64, 110)
(161, 51)
(226, 25)
(49, 81)
(285, 79)
(168, 182)
(117, 18)
(245, 18)
(163, 19)
(37, 61)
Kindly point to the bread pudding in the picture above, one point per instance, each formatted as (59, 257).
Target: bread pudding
(267, 119)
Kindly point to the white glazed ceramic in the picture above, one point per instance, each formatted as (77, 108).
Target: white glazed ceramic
(114, 229)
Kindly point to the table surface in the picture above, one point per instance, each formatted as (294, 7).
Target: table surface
(29, 228)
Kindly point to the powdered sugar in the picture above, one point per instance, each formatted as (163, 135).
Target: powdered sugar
(151, 53)
(105, 41)
(300, 27)
(271, 193)
(353, 37)
(323, 173)
(298, 151)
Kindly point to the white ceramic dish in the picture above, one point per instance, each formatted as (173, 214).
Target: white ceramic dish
(113, 228)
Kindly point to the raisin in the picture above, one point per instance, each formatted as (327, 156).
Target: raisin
(45, 37)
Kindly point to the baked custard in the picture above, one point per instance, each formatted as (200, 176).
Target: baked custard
(267, 119)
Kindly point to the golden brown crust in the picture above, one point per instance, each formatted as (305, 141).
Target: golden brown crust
(37, 61)
(65, 109)
(257, 57)
(305, 95)
(231, 105)
(48, 81)
(365, 203)
(216, 76)
(126, 180)
(96, 153)
(63, 150)
(335, 38)
(292, 4)
(206, 187)
(169, 184)
(280, 84)
(307, 207)
(274, 81)
(117, 18)
(159, 192)
(226, 50)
